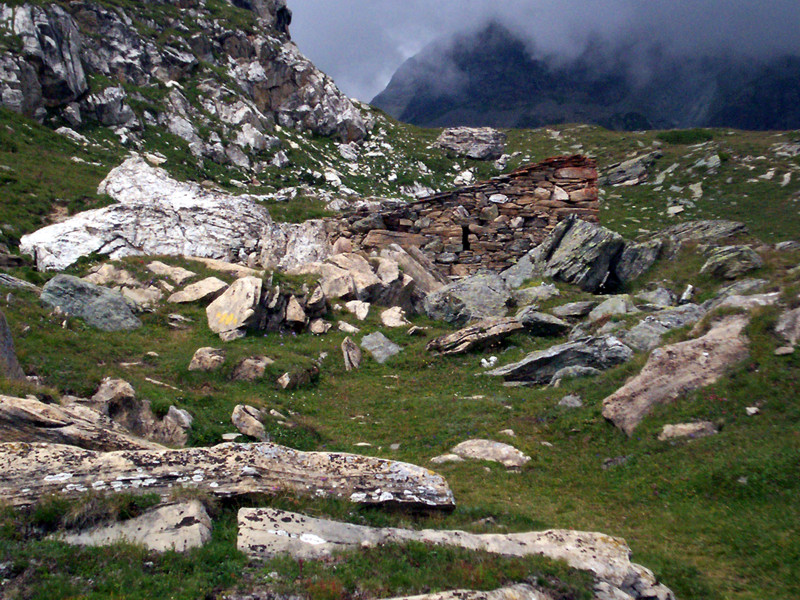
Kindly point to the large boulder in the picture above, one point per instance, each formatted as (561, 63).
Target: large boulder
(100, 307)
(289, 246)
(482, 296)
(576, 252)
(540, 367)
(31, 471)
(154, 215)
(637, 258)
(267, 532)
(238, 308)
(478, 143)
(677, 369)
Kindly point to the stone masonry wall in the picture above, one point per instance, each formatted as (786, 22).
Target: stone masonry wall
(488, 225)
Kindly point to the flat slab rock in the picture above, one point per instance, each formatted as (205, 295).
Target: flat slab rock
(179, 527)
(688, 430)
(676, 369)
(380, 347)
(498, 452)
(520, 591)
(226, 470)
(540, 367)
(267, 532)
(479, 335)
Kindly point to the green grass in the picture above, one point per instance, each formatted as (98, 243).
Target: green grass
(681, 506)
(686, 136)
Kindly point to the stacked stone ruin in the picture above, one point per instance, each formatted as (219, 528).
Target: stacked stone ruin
(489, 225)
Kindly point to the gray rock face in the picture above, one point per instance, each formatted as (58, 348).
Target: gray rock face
(478, 335)
(226, 470)
(286, 83)
(615, 305)
(788, 326)
(482, 296)
(576, 252)
(110, 108)
(380, 347)
(478, 143)
(179, 527)
(637, 258)
(676, 369)
(574, 310)
(9, 365)
(154, 215)
(251, 368)
(541, 324)
(646, 335)
(267, 532)
(49, 71)
(730, 262)
(98, 306)
(703, 232)
(351, 354)
(539, 367)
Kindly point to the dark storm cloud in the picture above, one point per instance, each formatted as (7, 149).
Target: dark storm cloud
(360, 43)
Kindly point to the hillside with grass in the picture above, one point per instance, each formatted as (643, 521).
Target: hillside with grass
(713, 516)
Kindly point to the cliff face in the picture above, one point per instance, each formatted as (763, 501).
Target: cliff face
(210, 71)
(490, 78)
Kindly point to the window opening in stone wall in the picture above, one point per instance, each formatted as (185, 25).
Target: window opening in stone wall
(465, 237)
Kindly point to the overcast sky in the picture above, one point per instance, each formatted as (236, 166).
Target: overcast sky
(360, 43)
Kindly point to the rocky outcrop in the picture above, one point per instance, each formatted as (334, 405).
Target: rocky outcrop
(284, 82)
(100, 307)
(539, 367)
(677, 369)
(33, 470)
(48, 71)
(478, 143)
(154, 215)
(267, 532)
(172, 527)
(75, 423)
(630, 172)
(288, 246)
(576, 252)
(479, 335)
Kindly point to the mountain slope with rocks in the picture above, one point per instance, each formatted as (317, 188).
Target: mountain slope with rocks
(491, 77)
(238, 360)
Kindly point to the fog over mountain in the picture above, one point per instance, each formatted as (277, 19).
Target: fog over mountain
(361, 43)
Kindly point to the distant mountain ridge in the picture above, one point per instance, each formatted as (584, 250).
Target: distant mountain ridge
(489, 78)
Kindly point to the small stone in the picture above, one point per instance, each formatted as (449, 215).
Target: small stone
(508, 432)
(394, 317)
(380, 347)
(446, 458)
(752, 411)
(358, 308)
(251, 369)
(504, 454)
(690, 430)
(203, 291)
(231, 437)
(571, 401)
(347, 328)
(178, 274)
(784, 351)
(351, 353)
(232, 335)
(319, 327)
(207, 359)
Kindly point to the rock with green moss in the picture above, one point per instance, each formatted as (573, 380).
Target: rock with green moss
(100, 307)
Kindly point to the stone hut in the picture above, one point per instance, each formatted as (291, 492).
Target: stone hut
(488, 225)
